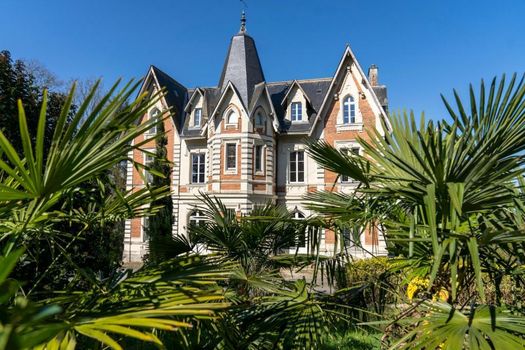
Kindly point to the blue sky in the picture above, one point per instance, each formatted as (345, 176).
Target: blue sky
(422, 48)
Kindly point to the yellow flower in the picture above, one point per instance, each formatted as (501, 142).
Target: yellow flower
(442, 295)
(415, 285)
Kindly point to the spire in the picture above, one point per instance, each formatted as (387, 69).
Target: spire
(243, 22)
(242, 66)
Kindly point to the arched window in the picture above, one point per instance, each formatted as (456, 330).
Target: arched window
(349, 110)
(298, 215)
(232, 117)
(154, 114)
(301, 240)
(196, 218)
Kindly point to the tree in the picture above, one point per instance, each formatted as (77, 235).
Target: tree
(449, 199)
(17, 81)
(34, 195)
(270, 312)
(100, 249)
(160, 225)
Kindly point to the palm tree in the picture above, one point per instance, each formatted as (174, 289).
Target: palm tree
(268, 311)
(448, 198)
(167, 297)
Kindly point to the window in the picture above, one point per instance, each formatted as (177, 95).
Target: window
(349, 110)
(301, 240)
(354, 150)
(197, 117)
(145, 228)
(154, 114)
(258, 158)
(148, 161)
(232, 118)
(197, 167)
(297, 166)
(197, 218)
(231, 156)
(259, 120)
(297, 111)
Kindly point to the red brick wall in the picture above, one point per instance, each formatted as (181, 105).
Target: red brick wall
(331, 134)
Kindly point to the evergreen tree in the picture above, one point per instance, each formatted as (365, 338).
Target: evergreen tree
(18, 82)
(99, 249)
(159, 228)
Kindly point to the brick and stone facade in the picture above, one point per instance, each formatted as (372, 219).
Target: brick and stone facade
(244, 140)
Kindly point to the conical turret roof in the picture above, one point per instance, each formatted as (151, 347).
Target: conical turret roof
(242, 66)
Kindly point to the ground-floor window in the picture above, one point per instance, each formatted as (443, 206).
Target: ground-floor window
(196, 218)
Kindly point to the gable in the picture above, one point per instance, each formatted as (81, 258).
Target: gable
(349, 67)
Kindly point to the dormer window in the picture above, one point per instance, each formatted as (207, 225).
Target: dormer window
(154, 114)
(260, 121)
(232, 118)
(297, 111)
(197, 115)
(349, 110)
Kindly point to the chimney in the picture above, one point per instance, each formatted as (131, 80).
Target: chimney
(373, 75)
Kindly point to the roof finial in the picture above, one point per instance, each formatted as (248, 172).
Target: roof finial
(243, 22)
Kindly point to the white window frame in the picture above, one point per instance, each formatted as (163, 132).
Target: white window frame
(299, 215)
(350, 104)
(197, 112)
(197, 216)
(230, 112)
(151, 114)
(296, 181)
(199, 163)
(226, 169)
(294, 112)
(349, 147)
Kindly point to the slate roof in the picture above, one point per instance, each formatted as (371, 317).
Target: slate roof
(242, 67)
(176, 94)
(315, 90)
(212, 98)
(381, 94)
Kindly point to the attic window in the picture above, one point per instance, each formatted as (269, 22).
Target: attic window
(154, 114)
(297, 111)
(197, 117)
(349, 110)
(259, 120)
(231, 118)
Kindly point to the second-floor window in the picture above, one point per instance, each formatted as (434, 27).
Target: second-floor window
(297, 111)
(197, 167)
(349, 110)
(197, 117)
(354, 150)
(231, 156)
(297, 166)
(258, 150)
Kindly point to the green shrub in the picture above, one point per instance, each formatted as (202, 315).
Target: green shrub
(352, 340)
(371, 285)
